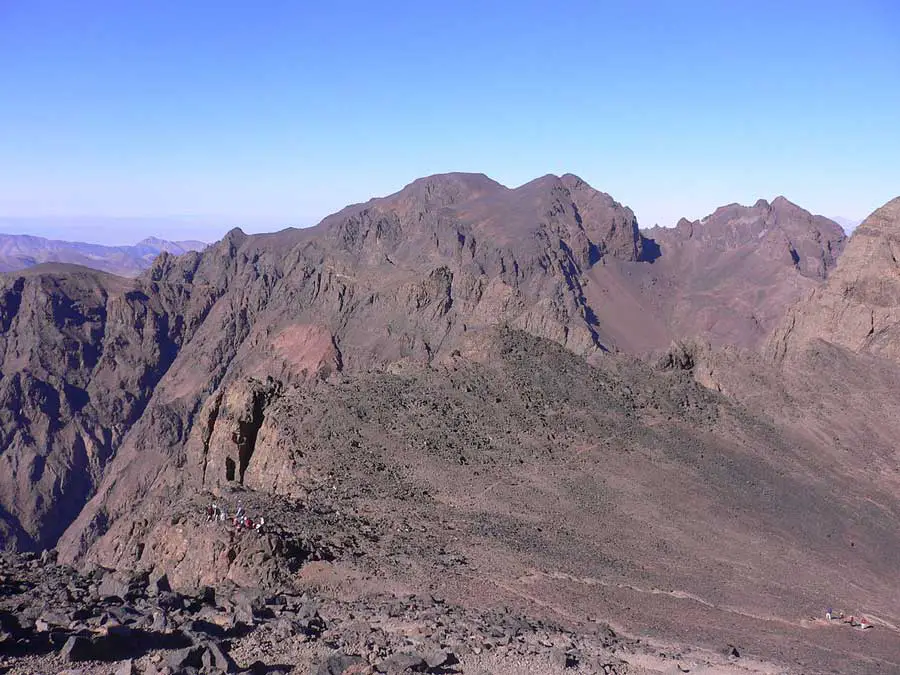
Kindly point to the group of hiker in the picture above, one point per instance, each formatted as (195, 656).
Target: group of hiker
(854, 621)
(240, 520)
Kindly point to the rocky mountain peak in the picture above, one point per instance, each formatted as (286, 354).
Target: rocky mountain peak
(424, 392)
(869, 271)
(611, 227)
(779, 230)
(884, 222)
(782, 209)
(859, 308)
(447, 189)
(399, 279)
(573, 182)
(235, 236)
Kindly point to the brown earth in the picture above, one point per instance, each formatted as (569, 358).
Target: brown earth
(423, 392)
(515, 474)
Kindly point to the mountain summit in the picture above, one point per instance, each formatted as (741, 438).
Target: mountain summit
(406, 278)
(731, 275)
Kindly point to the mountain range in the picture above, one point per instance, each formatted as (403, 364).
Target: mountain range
(511, 399)
(21, 251)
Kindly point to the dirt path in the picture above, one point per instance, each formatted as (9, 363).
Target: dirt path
(811, 622)
(649, 659)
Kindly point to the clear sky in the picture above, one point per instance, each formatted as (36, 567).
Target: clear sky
(270, 113)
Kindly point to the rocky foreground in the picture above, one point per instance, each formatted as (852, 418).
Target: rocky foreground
(54, 620)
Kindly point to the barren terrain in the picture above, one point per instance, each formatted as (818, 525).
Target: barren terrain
(462, 416)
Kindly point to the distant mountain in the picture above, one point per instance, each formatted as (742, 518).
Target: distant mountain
(731, 275)
(173, 247)
(21, 251)
(849, 224)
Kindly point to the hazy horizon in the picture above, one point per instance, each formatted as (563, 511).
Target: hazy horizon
(128, 230)
(108, 230)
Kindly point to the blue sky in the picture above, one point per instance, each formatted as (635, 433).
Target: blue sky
(272, 113)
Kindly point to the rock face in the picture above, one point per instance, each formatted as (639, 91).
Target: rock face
(731, 276)
(230, 435)
(80, 353)
(781, 231)
(143, 370)
(859, 308)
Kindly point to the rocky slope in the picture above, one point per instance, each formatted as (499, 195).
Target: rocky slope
(515, 474)
(104, 622)
(397, 279)
(80, 354)
(859, 308)
(424, 391)
(18, 252)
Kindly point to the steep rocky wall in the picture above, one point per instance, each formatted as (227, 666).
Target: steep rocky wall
(230, 431)
(859, 308)
(80, 354)
(730, 277)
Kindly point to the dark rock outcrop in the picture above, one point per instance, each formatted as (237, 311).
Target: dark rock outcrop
(80, 355)
(337, 664)
(203, 636)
